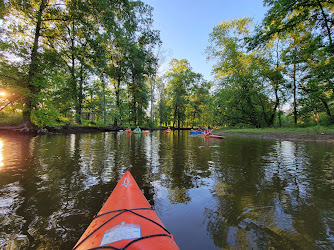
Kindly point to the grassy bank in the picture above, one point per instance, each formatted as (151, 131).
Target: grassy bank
(316, 133)
(316, 130)
(10, 119)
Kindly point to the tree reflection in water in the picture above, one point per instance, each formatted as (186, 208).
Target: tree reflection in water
(276, 206)
(232, 193)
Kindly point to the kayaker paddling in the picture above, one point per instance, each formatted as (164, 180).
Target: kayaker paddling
(138, 129)
(207, 131)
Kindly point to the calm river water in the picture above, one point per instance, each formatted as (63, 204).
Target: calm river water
(235, 193)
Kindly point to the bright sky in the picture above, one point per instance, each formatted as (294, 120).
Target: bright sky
(185, 26)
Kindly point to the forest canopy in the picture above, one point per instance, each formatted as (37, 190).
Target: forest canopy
(97, 62)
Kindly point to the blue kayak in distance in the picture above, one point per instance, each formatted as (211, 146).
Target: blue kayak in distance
(195, 132)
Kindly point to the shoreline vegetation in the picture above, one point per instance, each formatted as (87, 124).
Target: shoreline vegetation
(315, 133)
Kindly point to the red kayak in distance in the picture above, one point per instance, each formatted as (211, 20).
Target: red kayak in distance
(126, 221)
(213, 136)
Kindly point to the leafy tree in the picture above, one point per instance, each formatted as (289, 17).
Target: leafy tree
(198, 108)
(163, 109)
(21, 18)
(242, 75)
(285, 15)
(272, 70)
(309, 26)
(180, 79)
(80, 40)
(141, 62)
(295, 58)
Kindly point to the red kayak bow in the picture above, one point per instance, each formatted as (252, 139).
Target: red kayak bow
(126, 221)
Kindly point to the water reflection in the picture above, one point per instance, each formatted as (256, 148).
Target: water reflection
(232, 193)
(267, 199)
(1, 156)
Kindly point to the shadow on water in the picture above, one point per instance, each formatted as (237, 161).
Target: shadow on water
(211, 194)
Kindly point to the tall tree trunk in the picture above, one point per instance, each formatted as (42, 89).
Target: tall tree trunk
(74, 81)
(277, 102)
(279, 117)
(276, 87)
(118, 104)
(160, 112)
(33, 68)
(328, 111)
(294, 94)
(152, 98)
(91, 104)
(104, 101)
(134, 107)
(328, 28)
(135, 111)
(162, 104)
(264, 114)
(80, 94)
(175, 115)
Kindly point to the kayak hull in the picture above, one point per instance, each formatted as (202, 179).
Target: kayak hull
(214, 136)
(126, 219)
(195, 132)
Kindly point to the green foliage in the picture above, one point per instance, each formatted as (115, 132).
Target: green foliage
(242, 76)
(10, 118)
(198, 111)
(306, 27)
(180, 79)
(71, 45)
(46, 115)
(97, 57)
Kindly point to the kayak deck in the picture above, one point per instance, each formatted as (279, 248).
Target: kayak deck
(128, 221)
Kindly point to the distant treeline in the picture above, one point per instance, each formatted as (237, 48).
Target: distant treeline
(97, 61)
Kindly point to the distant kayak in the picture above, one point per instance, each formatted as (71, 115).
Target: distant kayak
(136, 132)
(168, 131)
(126, 221)
(128, 130)
(193, 132)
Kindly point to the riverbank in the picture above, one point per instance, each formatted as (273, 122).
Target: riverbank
(320, 134)
(23, 128)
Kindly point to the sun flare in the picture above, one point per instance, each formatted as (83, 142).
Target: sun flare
(2, 93)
